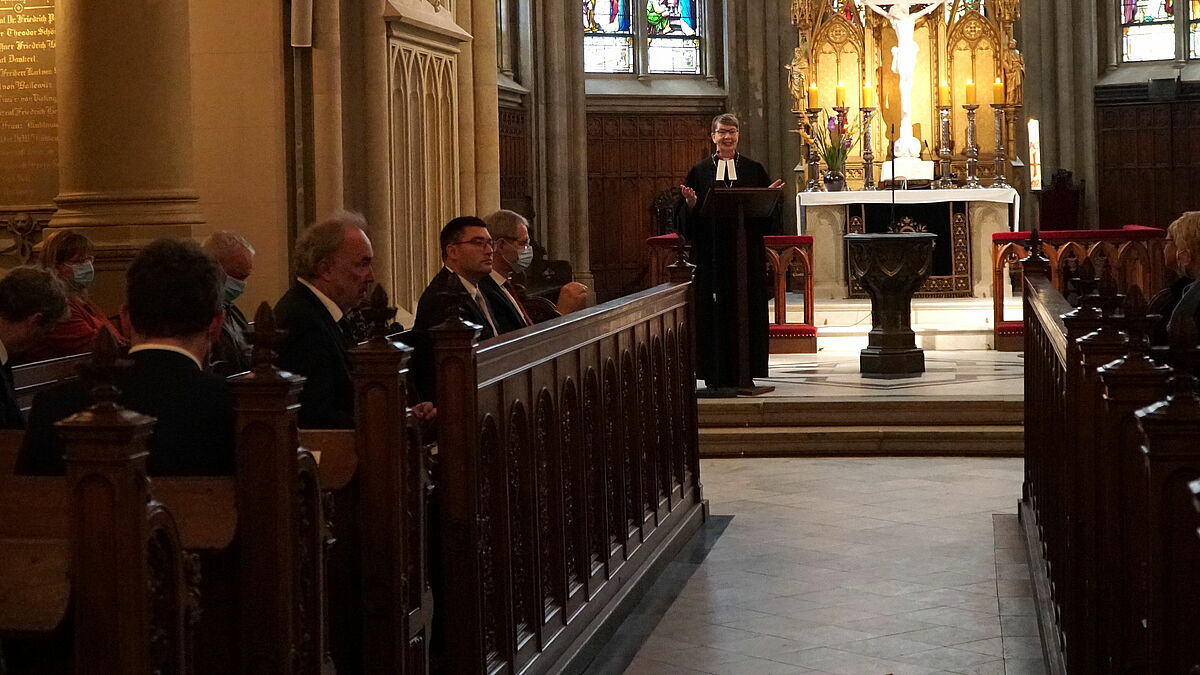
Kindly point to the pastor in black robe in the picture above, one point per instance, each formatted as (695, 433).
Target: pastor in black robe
(713, 254)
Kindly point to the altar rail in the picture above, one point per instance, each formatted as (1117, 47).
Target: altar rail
(1110, 446)
(790, 265)
(1135, 252)
(573, 471)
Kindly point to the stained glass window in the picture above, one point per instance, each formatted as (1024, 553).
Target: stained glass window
(1194, 29)
(1148, 30)
(644, 36)
(608, 36)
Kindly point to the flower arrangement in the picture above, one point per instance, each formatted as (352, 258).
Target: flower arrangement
(833, 139)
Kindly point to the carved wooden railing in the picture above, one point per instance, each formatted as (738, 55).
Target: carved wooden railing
(1110, 449)
(789, 268)
(571, 472)
(1134, 252)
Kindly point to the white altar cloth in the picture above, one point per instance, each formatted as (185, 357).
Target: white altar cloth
(999, 195)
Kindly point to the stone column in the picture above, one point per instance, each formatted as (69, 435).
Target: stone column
(125, 121)
(479, 120)
(560, 127)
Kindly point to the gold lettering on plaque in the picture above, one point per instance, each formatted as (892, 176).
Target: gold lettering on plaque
(28, 103)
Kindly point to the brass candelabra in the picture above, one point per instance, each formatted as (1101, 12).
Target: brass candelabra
(972, 151)
(868, 154)
(1001, 158)
(944, 181)
(814, 159)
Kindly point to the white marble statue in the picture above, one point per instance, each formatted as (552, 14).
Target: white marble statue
(904, 60)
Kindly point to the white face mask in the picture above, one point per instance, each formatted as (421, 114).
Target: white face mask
(524, 259)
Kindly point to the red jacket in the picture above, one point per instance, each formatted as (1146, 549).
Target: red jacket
(74, 335)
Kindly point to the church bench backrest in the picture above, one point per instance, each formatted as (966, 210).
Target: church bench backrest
(570, 461)
(31, 378)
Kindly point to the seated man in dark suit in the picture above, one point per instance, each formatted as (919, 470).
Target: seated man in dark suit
(514, 253)
(173, 307)
(467, 250)
(32, 301)
(231, 353)
(333, 273)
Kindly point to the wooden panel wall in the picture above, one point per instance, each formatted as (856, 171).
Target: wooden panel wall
(1148, 157)
(516, 168)
(632, 158)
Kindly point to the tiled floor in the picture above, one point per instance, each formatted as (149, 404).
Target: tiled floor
(852, 566)
(960, 374)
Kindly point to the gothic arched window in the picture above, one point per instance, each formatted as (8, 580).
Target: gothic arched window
(1159, 30)
(643, 36)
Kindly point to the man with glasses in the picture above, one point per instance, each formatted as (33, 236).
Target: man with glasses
(467, 257)
(514, 253)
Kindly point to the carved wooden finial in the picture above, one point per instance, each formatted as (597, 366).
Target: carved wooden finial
(378, 314)
(265, 338)
(1035, 258)
(104, 369)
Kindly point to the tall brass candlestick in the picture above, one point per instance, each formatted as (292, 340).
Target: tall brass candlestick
(944, 181)
(868, 154)
(814, 159)
(1001, 158)
(972, 148)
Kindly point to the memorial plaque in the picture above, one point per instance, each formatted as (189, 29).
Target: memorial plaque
(28, 103)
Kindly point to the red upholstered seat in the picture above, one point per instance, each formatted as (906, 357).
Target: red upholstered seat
(1126, 233)
(779, 240)
(1010, 328)
(791, 330)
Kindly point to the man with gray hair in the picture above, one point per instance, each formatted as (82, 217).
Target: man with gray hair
(514, 253)
(32, 300)
(231, 353)
(332, 262)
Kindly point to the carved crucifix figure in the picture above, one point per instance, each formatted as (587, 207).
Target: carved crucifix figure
(904, 61)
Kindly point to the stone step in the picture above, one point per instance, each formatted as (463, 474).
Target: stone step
(1006, 440)
(800, 413)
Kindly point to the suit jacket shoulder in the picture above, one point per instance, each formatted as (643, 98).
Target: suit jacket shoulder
(316, 348)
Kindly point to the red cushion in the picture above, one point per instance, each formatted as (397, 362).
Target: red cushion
(664, 240)
(791, 330)
(1126, 233)
(1010, 328)
(788, 240)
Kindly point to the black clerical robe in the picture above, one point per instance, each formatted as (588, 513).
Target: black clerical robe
(713, 254)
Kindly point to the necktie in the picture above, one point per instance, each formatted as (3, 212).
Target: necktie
(479, 300)
(512, 290)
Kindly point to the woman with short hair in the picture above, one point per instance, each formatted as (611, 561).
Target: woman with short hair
(69, 255)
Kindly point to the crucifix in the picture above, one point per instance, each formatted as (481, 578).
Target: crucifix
(904, 61)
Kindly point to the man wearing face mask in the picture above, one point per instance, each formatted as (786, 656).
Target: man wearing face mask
(231, 353)
(69, 255)
(514, 253)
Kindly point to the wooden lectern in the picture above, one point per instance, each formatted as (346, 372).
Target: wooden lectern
(732, 207)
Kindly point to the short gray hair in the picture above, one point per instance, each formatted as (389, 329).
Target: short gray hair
(223, 242)
(30, 290)
(322, 241)
(505, 223)
(728, 119)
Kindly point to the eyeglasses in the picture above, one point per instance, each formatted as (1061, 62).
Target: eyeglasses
(521, 243)
(480, 242)
(725, 132)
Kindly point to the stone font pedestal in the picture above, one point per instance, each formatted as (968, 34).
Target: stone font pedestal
(891, 267)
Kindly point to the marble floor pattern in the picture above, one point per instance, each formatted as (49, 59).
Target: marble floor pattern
(855, 567)
(961, 374)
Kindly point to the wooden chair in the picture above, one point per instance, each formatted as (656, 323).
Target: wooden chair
(1061, 204)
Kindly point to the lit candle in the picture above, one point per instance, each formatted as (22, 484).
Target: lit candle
(943, 93)
(868, 95)
(840, 96)
(970, 92)
(814, 99)
(998, 91)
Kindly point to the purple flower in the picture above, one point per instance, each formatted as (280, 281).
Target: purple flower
(832, 124)
(847, 142)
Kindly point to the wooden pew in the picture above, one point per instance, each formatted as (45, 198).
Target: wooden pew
(260, 535)
(1110, 449)
(96, 544)
(567, 470)
(376, 477)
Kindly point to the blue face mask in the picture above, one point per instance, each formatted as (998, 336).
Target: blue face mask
(524, 258)
(83, 274)
(233, 290)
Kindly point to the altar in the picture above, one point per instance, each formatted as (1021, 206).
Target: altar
(963, 220)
